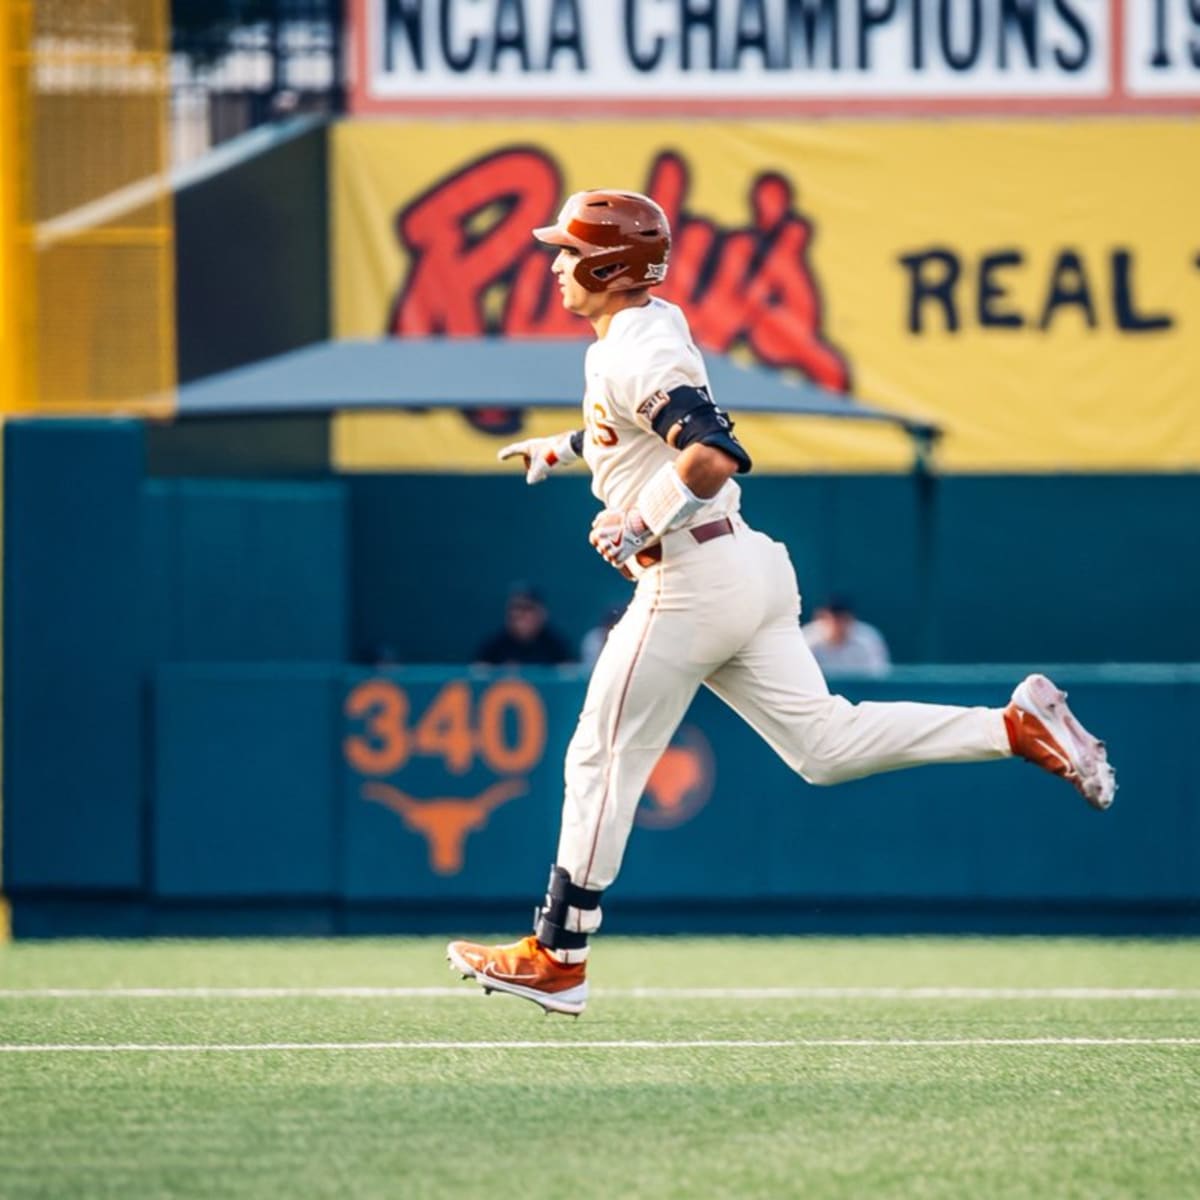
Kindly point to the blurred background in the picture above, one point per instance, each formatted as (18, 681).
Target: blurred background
(285, 650)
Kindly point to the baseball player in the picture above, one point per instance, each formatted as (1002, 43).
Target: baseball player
(716, 603)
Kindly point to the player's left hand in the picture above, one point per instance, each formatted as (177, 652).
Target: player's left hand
(619, 534)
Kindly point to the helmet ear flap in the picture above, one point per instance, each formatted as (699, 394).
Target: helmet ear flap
(600, 272)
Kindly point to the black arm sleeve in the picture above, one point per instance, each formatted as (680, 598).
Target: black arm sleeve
(699, 419)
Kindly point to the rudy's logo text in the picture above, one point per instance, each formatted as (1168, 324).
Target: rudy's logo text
(475, 269)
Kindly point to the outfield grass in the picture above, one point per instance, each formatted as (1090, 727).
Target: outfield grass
(933, 1093)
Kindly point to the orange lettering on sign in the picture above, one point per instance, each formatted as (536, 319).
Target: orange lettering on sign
(445, 729)
(517, 697)
(451, 728)
(386, 747)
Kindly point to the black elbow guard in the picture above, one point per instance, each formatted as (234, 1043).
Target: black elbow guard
(698, 419)
(722, 440)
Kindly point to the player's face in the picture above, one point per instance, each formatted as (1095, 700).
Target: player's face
(575, 297)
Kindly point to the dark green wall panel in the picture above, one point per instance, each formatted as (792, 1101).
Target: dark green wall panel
(252, 258)
(73, 655)
(959, 569)
(1078, 568)
(434, 558)
(245, 783)
(247, 571)
(295, 444)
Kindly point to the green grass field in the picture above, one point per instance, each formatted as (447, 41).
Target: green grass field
(839, 1068)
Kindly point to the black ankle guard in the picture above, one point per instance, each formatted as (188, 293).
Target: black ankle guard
(555, 937)
(549, 920)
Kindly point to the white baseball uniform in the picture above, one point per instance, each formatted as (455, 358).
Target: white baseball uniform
(724, 613)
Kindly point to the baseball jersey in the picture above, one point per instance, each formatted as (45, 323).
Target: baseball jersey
(647, 351)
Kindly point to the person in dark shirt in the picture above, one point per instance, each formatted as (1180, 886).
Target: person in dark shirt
(527, 637)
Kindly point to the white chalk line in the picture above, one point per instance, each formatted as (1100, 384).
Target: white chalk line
(636, 993)
(705, 1044)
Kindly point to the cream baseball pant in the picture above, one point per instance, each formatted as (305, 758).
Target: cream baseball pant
(726, 613)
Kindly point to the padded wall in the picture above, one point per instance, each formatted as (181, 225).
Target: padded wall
(399, 787)
(73, 655)
(1083, 568)
(246, 570)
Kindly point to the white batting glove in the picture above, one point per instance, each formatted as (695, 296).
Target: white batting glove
(541, 455)
(619, 535)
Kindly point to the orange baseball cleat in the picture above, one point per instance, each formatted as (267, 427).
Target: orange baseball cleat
(524, 969)
(1043, 730)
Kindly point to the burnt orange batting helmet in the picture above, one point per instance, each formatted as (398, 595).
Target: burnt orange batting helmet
(623, 239)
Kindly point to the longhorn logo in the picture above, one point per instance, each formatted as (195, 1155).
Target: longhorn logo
(681, 783)
(445, 821)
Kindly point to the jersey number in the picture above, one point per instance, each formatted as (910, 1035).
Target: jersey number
(603, 434)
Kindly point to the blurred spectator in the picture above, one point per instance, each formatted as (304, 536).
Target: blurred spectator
(844, 645)
(527, 636)
(593, 641)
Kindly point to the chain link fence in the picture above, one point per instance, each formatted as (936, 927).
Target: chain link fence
(238, 64)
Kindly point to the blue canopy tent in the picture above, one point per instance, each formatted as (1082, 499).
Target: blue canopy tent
(466, 373)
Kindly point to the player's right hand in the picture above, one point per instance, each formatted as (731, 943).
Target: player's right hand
(541, 455)
(618, 534)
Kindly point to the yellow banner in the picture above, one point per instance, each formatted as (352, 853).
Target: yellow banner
(1034, 287)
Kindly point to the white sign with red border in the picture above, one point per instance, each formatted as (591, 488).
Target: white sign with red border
(764, 56)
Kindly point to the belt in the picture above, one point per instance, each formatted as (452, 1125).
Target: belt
(702, 533)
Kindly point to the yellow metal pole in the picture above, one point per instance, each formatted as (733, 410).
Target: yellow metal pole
(9, 357)
(16, 274)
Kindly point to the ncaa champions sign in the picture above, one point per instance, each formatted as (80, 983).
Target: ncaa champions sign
(776, 55)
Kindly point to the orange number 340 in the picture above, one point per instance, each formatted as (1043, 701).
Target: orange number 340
(452, 728)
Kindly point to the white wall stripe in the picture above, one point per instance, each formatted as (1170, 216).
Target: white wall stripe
(716, 1044)
(642, 993)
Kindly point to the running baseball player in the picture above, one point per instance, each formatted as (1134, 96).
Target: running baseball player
(716, 603)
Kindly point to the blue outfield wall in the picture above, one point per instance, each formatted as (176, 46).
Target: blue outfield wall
(73, 781)
(331, 799)
(188, 748)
